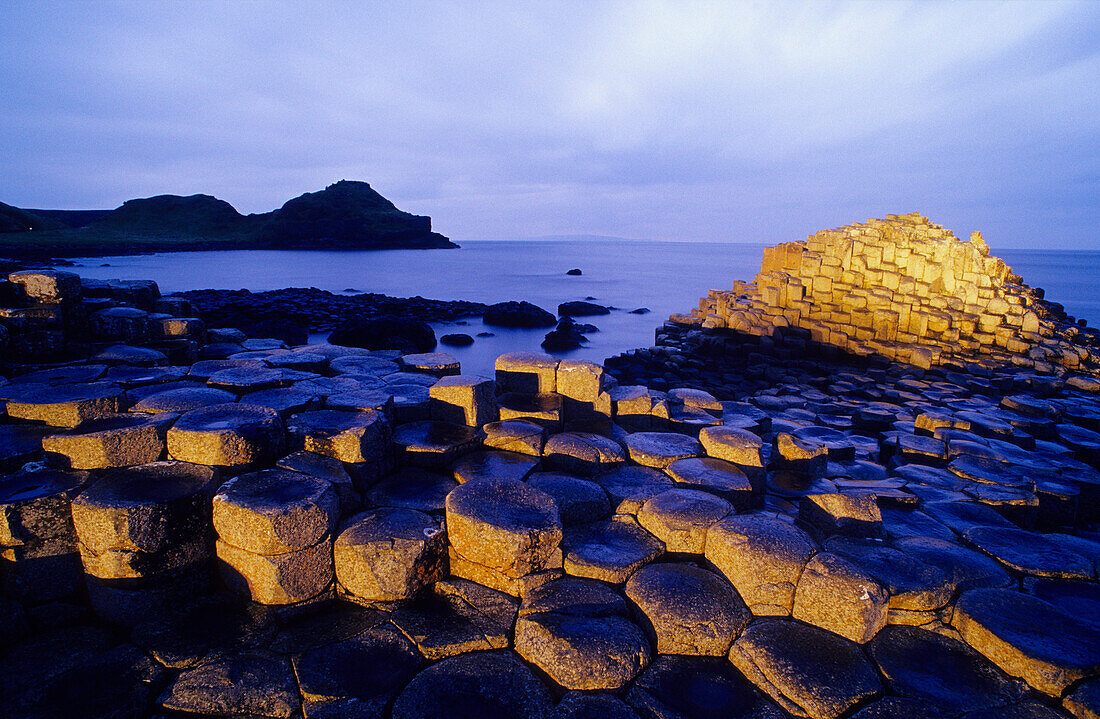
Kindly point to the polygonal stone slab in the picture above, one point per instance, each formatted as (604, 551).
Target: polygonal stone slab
(660, 449)
(686, 609)
(284, 400)
(183, 399)
(365, 399)
(274, 511)
(965, 568)
(455, 617)
(763, 557)
(363, 365)
(739, 446)
(464, 399)
(582, 453)
(1029, 638)
(515, 435)
(579, 705)
(579, 500)
(412, 488)
(629, 486)
(697, 688)
(118, 440)
(836, 595)
(227, 435)
(1029, 553)
(347, 436)
(35, 507)
(433, 444)
(912, 584)
(504, 525)
(277, 579)
(487, 685)
(609, 551)
(578, 642)
(493, 465)
(244, 684)
(437, 364)
(543, 409)
(356, 676)
(716, 476)
(144, 521)
(941, 671)
(66, 405)
(387, 554)
(527, 372)
(854, 514)
(680, 518)
(810, 672)
(47, 285)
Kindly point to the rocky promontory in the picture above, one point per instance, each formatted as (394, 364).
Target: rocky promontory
(347, 215)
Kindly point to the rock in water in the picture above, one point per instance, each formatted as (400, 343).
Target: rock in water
(517, 314)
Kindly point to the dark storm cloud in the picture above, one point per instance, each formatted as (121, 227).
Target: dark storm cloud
(673, 120)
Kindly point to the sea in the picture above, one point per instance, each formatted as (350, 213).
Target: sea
(662, 277)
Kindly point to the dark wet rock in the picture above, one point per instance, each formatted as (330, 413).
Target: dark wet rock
(286, 401)
(912, 584)
(687, 610)
(412, 488)
(71, 374)
(1076, 598)
(574, 271)
(609, 551)
(20, 444)
(433, 444)
(517, 314)
(640, 311)
(697, 688)
(567, 335)
(579, 645)
(357, 676)
(763, 557)
(1028, 637)
(660, 449)
(479, 685)
(1030, 709)
(629, 486)
(964, 567)
(455, 617)
(309, 630)
(493, 464)
(457, 340)
(1084, 701)
(579, 500)
(576, 597)
(190, 634)
(250, 684)
(898, 708)
(961, 516)
(378, 333)
(1029, 552)
(795, 485)
(581, 309)
(940, 671)
(808, 671)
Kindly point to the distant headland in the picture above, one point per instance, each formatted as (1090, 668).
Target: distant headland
(347, 215)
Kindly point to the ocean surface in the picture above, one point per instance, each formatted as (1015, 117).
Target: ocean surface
(665, 277)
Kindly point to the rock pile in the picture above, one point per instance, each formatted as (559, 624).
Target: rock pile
(330, 531)
(905, 289)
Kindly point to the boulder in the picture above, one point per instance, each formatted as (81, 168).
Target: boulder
(517, 314)
(581, 309)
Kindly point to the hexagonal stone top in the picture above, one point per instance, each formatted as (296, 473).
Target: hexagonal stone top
(660, 449)
(184, 399)
(275, 511)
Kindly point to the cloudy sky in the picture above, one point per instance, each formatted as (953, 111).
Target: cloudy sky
(679, 120)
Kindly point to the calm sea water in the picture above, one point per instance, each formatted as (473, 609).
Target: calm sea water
(666, 277)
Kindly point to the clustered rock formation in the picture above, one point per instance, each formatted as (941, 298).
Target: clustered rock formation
(901, 288)
(329, 531)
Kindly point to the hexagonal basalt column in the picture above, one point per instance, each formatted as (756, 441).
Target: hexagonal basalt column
(119, 440)
(227, 435)
(527, 372)
(464, 399)
(387, 554)
(66, 405)
(347, 436)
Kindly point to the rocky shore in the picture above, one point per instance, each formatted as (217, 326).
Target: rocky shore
(753, 518)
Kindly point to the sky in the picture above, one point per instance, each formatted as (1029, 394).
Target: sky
(678, 120)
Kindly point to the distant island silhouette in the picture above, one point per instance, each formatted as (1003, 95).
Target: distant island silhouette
(347, 215)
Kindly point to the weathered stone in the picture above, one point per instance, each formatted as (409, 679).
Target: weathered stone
(808, 671)
(347, 436)
(493, 465)
(609, 551)
(716, 476)
(504, 525)
(911, 584)
(433, 444)
(629, 486)
(1029, 552)
(286, 578)
(284, 400)
(377, 400)
(455, 617)
(49, 286)
(464, 399)
(201, 628)
(527, 372)
(481, 685)
(227, 435)
(681, 517)
(182, 400)
(1084, 701)
(578, 642)
(898, 708)
(1028, 638)
(763, 557)
(582, 705)
(696, 688)
(543, 409)
(437, 364)
(660, 449)
(579, 500)
(241, 380)
(274, 511)
(836, 595)
(940, 671)
(412, 488)
(582, 453)
(965, 568)
(130, 377)
(804, 455)
(515, 435)
(363, 365)
(256, 685)
(65, 405)
(145, 521)
(687, 610)
(358, 676)
(388, 554)
(119, 440)
(851, 515)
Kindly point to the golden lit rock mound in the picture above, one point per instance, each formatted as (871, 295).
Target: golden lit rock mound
(903, 288)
